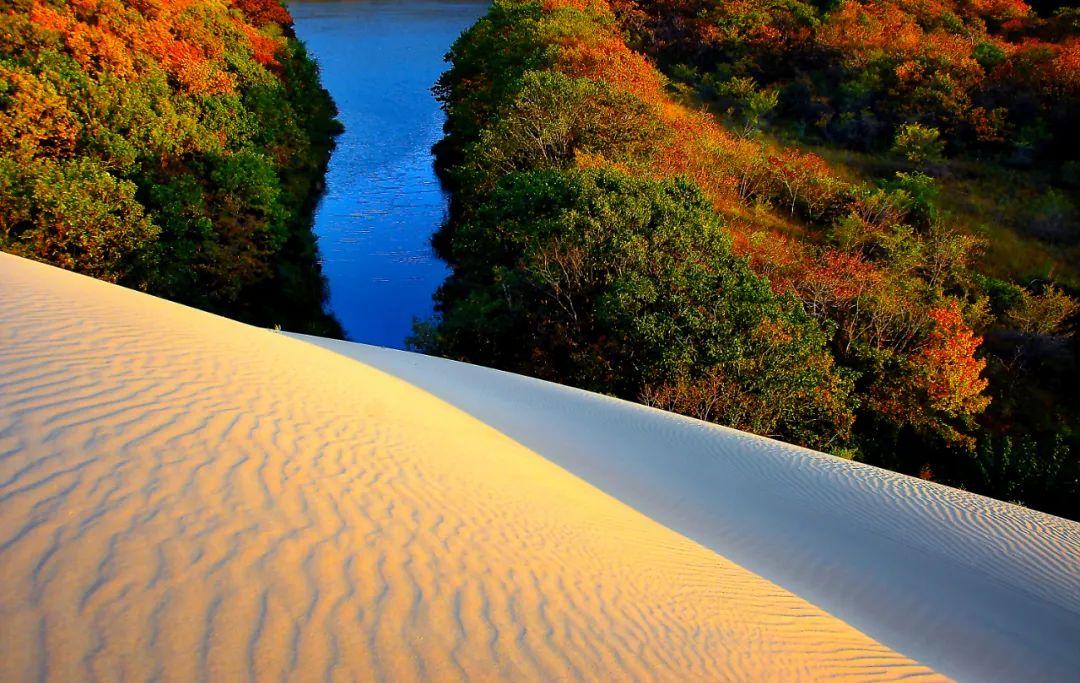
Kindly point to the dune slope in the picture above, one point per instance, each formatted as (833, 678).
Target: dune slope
(184, 498)
(976, 588)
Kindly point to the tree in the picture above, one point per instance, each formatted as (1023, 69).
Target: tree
(751, 104)
(172, 146)
(622, 285)
(918, 144)
(1045, 313)
(555, 117)
(942, 387)
(75, 215)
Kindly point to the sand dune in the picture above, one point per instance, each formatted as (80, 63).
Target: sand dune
(185, 498)
(976, 588)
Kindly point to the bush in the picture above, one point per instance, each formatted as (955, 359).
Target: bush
(918, 144)
(1045, 313)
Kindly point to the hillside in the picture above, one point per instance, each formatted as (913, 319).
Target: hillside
(674, 240)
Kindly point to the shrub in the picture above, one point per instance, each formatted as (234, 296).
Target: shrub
(918, 144)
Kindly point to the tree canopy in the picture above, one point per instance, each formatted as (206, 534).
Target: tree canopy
(174, 146)
(608, 232)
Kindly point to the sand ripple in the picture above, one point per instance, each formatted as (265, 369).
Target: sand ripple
(976, 588)
(187, 498)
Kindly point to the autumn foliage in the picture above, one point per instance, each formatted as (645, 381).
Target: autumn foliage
(878, 274)
(944, 378)
(170, 145)
(992, 76)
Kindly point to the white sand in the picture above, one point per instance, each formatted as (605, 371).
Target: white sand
(187, 498)
(976, 588)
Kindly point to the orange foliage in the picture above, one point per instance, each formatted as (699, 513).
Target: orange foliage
(861, 30)
(263, 12)
(999, 9)
(596, 6)
(836, 281)
(947, 360)
(113, 37)
(779, 258)
(264, 47)
(35, 120)
(1065, 69)
(48, 18)
(944, 383)
(731, 170)
(608, 59)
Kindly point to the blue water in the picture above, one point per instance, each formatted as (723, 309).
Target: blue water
(379, 60)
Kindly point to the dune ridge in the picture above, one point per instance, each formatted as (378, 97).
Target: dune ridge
(976, 588)
(183, 497)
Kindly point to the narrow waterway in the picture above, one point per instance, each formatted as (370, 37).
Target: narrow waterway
(379, 59)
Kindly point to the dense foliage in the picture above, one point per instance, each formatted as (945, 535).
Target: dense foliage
(174, 146)
(623, 286)
(990, 75)
(606, 235)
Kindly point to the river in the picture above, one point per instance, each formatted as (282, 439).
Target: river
(383, 201)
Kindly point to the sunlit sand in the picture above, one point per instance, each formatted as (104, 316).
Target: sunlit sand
(183, 498)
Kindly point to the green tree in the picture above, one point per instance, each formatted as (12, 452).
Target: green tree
(751, 104)
(625, 286)
(76, 215)
(918, 144)
(555, 117)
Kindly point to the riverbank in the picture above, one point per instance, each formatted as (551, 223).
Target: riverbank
(174, 148)
(609, 234)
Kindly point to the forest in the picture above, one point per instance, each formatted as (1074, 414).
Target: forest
(847, 225)
(177, 147)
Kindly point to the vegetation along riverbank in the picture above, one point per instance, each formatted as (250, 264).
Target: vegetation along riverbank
(173, 146)
(722, 240)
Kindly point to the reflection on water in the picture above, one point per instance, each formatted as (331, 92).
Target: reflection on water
(383, 201)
